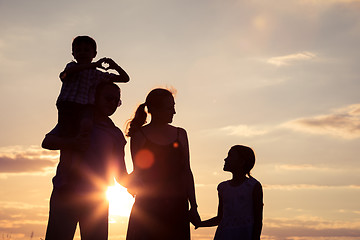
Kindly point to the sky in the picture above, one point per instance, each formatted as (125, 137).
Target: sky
(279, 76)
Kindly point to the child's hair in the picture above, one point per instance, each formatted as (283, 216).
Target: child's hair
(153, 100)
(246, 154)
(83, 39)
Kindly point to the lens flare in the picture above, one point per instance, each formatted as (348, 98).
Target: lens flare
(120, 201)
(144, 159)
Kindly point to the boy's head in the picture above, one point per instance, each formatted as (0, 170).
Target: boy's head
(84, 49)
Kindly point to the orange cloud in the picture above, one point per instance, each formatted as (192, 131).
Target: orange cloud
(20, 160)
(243, 130)
(310, 227)
(344, 122)
(291, 187)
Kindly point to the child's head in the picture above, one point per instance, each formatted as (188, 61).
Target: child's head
(240, 159)
(84, 49)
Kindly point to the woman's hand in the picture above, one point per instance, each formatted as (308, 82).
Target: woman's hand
(194, 217)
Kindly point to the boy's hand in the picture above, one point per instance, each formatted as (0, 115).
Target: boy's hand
(99, 63)
(108, 63)
(111, 64)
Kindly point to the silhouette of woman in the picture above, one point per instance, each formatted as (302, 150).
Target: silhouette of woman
(163, 181)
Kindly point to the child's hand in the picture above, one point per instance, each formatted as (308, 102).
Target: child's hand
(195, 217)
(111, 64)
(99, 63)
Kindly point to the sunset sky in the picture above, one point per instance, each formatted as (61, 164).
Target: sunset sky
(281, 76)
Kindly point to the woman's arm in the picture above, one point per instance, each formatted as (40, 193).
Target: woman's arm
(121, 174)
(189, 179)
(136, 143)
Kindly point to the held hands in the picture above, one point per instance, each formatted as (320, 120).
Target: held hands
(194, 217)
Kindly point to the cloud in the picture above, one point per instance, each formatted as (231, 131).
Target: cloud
(243, 130)
(344, 122)
(291, 187)
(20, 165)
(286, 60)
(310, 227)
(329, 2)
(302, 167)
(25, 160)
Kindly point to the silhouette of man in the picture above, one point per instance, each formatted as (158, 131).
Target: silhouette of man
(79, 188)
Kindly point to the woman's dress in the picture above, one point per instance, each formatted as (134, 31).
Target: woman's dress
(160, 211)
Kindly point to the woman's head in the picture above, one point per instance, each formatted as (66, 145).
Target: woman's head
(160, 105)
(240, 159)
(107, 98)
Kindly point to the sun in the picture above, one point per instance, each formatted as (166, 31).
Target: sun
(120, 200)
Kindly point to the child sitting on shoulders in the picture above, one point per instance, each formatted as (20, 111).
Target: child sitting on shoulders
(79, 81)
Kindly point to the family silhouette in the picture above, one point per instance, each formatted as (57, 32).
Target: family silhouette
(92, 155)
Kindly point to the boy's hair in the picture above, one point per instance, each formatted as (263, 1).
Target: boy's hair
(83, 39)
(248, 155)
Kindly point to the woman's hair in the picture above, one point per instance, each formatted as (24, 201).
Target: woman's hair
(154, 100)
(247, 155)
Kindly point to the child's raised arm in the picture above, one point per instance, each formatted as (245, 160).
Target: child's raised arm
(74, 67)
(215, 220)
(122, 77)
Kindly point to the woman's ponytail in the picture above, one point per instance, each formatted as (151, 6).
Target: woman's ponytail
(138, 121)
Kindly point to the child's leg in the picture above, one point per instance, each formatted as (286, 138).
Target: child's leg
(68, 118)
(86, 121)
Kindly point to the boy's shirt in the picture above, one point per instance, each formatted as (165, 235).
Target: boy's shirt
(80, 87)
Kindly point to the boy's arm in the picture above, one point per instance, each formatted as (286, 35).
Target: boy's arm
(74, 67)
(215, 220)
(258, 211)
(122, 77)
